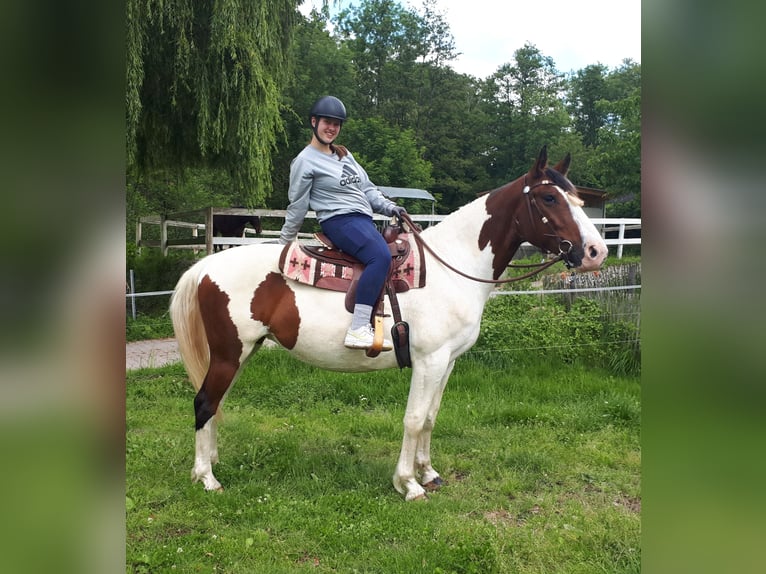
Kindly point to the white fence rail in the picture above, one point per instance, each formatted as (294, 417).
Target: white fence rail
(206, 241)
(132, 295)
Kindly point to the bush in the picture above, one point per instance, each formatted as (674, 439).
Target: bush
(533, 328)
(154, 272)
(623, 347)
(146, 327)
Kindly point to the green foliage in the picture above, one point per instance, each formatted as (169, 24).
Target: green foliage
(153, 272)
(534, 328)
(164, 191)
(587, 88)
(523, 100)
(145, 327)
(623, 348)
(393, 50)
(204, 86)
(218, 94)
(389, 155)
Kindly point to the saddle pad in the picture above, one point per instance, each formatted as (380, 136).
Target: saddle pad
(296, 264)
(300, 266)
(412, 270)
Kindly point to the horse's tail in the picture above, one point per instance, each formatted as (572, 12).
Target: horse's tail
(188, 327)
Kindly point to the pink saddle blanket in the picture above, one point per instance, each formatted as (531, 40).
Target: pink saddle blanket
(299, 265)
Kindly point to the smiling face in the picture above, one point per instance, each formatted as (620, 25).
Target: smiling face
(326, 129)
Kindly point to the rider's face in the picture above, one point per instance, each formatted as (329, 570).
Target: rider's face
(328, 128)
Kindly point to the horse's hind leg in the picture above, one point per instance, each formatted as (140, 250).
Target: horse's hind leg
(217, 381)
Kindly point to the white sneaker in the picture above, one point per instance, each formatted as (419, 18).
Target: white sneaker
(362, 338)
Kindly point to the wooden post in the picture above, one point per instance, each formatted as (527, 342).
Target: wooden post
(139, 231)
(621, 237)
(209, 230)
(164, 235)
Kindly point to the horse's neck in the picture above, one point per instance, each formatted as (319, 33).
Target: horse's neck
(457, 240)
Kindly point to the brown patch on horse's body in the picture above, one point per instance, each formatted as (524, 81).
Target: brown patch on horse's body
(225, 349)
(273, 304)
(220, 329)
(497, 231)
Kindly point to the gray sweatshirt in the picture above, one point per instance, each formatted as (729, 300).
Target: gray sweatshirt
(320, 182)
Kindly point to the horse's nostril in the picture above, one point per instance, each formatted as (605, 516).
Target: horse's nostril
(593, 252)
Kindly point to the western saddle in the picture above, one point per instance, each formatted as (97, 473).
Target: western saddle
(327, 267)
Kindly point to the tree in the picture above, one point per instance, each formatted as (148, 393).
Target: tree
(322, 66)
(523, 100)
(203, 86)
(385, 41)
(456, 138)
(618, 161)
(619, 158)
(389, 155)
(586, 89)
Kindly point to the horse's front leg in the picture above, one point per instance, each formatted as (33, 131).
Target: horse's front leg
(424, 386)
(429, 478)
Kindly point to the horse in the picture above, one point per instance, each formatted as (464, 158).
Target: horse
(233, 226)
(227, 304)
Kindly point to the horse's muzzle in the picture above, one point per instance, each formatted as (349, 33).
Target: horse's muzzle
(588, 259)
(571, 255)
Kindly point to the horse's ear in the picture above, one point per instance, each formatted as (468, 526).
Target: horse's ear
(563, 166)
(538, 169)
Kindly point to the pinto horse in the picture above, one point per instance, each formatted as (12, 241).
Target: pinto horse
(233, 226)
(227, 304)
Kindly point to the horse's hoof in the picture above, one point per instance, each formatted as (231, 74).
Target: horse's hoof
(435, 484)
(416, 496)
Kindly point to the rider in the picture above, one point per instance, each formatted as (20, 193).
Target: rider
(325, 177)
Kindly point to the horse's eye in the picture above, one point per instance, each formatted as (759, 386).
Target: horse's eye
(549, 199)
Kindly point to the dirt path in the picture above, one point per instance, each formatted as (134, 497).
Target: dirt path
(152, 353)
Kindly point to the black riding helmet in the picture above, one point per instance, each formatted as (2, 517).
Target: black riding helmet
(327, 107)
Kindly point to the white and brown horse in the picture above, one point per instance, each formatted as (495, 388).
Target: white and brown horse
(227, 304)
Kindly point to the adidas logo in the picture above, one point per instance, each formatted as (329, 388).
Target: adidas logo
(349, 176)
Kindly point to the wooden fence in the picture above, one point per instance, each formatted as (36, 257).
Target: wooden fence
(202, 221)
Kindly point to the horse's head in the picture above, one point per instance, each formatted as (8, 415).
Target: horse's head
(549, 215)
(554, 220)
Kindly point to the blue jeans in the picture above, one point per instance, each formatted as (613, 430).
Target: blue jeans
(356, 234)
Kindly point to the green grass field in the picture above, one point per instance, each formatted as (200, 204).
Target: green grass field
(541, 465)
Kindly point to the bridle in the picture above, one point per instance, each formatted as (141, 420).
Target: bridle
(537, 267)
(563, 253)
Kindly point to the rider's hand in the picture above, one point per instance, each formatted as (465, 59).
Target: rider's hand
(399, 211)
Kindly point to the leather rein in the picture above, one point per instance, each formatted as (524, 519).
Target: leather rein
(538, 267)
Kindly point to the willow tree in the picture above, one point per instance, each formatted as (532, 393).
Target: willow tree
(204, 84)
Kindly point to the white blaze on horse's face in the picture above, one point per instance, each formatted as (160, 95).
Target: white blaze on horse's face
(595, 249)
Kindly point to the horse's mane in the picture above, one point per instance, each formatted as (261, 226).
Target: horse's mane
(562, 181)
(559, 179)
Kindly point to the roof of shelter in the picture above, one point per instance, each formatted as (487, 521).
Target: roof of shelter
(406, 192)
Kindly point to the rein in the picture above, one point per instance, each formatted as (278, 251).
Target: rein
(539, 266)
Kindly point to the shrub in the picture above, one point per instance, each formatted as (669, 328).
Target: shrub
(533, 328)
(154, 272)
(623, 347)
(147, 327)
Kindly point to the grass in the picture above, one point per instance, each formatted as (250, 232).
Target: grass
(145, 327)
(541, 464)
